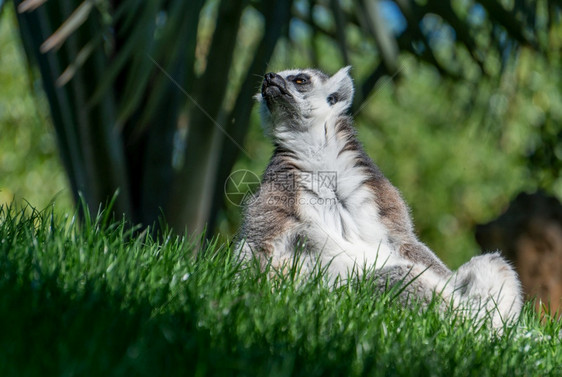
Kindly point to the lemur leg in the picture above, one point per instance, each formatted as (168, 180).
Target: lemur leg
(342, 258)
(490, 287)
(419, 253)
(412, 282)
(485, 287)
(281, 252)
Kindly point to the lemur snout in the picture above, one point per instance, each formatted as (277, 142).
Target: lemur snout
(270, 76)
(273, 85)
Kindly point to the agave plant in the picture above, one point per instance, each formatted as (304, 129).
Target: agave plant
(137, 89)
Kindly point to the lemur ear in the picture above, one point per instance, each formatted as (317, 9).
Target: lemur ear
(340, 87)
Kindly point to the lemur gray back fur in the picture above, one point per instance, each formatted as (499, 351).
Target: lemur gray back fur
(356, 220)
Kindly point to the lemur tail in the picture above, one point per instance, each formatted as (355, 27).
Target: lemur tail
(488, 287)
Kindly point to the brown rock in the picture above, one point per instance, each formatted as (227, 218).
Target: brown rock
(529, 234)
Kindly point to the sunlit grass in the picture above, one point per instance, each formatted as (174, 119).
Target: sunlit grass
(98, 299)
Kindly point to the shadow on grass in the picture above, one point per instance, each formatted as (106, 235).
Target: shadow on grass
(49, 332)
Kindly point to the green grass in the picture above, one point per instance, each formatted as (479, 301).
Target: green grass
(94, 299)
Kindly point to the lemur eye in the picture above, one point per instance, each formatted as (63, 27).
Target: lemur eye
(300, 80)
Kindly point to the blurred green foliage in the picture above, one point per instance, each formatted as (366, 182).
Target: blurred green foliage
(29, 166)
(459, 150)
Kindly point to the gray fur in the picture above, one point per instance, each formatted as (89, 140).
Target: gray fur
(305, 113)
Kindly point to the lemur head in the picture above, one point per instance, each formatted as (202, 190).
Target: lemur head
(293, 100)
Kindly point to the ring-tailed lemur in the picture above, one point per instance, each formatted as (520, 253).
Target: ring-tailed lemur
(323, 195)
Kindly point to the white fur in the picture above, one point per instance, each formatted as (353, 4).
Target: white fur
(367, 241)
(317, 150)
(486, 285)
(492, 287)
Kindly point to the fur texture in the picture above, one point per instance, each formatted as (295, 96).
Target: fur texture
(321, 194)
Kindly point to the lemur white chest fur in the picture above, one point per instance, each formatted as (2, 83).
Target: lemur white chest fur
(339, 207)
(323, 199)
(337, 210)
